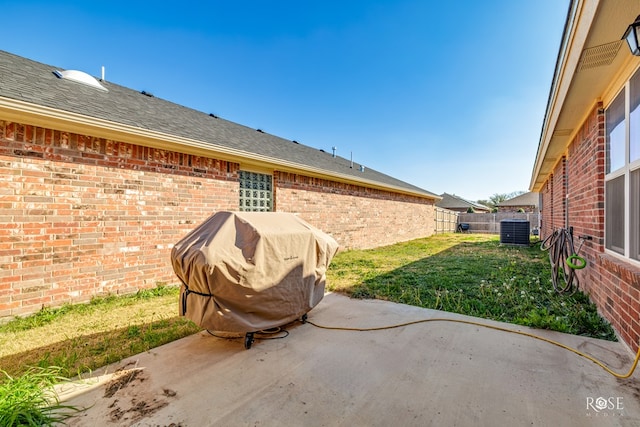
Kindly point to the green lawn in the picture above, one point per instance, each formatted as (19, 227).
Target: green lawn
(464, 273)
(471, 274)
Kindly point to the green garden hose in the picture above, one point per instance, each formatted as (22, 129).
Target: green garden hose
(582, 263)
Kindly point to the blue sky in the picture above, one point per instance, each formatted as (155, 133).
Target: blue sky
(448, 96)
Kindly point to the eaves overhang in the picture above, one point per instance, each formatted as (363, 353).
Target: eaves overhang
(591, 64)
(43, 116)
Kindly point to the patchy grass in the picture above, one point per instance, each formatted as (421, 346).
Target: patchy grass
(81, 337)
(471, 274)
(464, 273)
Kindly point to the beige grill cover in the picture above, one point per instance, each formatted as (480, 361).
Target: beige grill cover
(251, 271)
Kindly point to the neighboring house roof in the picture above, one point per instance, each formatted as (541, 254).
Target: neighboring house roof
(526, 199)
(31, 93)
(451, 201)
(591, 56)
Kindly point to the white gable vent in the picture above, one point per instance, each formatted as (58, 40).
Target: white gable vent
(80, 77)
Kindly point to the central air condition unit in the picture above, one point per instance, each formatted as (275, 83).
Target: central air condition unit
(514, 232)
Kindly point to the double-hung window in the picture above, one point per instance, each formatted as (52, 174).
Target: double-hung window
(622, 178)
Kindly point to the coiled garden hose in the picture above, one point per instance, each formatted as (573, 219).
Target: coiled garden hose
(564, 260)
(498, 328)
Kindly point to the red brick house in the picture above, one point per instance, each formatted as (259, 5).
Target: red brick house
(587, 168)
(99, 181)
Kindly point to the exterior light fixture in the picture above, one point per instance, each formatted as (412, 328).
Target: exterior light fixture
(632, 35)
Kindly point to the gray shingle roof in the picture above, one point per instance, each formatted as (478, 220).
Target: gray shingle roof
(451, 201)
(33, 82)
(526, 199)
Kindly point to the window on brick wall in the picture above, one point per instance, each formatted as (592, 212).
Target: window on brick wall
(615, 134)
(614, 213)
(622, 179)
(256, 193)
(635, 213)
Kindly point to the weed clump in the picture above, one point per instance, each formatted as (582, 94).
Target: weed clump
(29, 399)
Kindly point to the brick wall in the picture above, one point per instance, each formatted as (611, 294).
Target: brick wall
(585, 168)
(84, 216)
(613, 284)
(559, 197)
(355, 216)
(546, 208)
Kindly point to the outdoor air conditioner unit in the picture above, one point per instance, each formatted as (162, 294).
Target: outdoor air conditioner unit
(514, 232)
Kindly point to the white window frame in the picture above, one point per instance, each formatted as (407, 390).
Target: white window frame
(625, 171)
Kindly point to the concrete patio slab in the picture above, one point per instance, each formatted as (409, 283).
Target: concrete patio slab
(429, 374)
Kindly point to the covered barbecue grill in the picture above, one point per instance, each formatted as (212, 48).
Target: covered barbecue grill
(251, 271)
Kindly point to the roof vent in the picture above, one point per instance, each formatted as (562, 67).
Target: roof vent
(599, 56)
(149, 94)
(260, 130)
(295, 142)
(80, 77)
(213, 115)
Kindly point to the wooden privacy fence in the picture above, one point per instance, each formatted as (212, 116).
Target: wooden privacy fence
(490, 222)
(446, 220)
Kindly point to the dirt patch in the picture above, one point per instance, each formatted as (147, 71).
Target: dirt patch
(132, 400)
(137, 409)
(121, 380)
(631, 385)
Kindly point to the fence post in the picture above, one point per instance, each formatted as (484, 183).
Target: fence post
(446, 220)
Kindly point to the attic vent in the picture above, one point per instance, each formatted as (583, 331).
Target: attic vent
(213, 115)
(562, 132)
(149, 94)
(260, 130)
(599, 56)
(80, 77)
(295, 142)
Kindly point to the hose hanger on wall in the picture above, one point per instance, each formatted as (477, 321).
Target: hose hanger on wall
(564, 259)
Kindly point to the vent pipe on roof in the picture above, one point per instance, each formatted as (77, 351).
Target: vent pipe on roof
(361, 168)
(351, 165)
(334, 150)
(102, 73)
